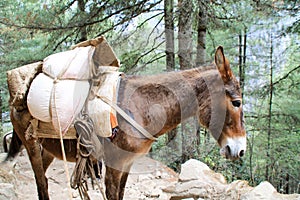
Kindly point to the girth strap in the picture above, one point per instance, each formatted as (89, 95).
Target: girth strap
(127, 118)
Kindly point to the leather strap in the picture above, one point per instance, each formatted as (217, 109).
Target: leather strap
(127, 118)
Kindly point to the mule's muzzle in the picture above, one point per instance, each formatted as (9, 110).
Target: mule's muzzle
(234, 149)
(229, 154)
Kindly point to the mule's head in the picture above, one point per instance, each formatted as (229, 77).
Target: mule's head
(232, 138)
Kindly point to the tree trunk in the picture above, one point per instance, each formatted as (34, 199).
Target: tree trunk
(185, 34)
(287, 183)
(170, 56)
(201, 53)
(242, 60)
(268, 164)
(251, 145)
(1, 128)
(185, 57)
(201, 33)
(83, 31)
(169, 34)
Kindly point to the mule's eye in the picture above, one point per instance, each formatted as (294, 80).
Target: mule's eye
(236, 103)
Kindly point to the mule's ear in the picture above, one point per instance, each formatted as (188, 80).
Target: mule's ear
(223, 65)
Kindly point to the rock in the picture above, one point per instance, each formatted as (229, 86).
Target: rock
(7, 191)
(2, 157)
(7, 180)
(263, 191)
(236, 189)
(197, 181)
(154, 193)
(195, 189)
(192, 170)
(266, 191)
(145, 177)
(196, 170)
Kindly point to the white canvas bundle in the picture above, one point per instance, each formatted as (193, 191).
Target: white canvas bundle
(38, 99)
(73, 64)
(60, 102)
(59, 93)
(67, 101)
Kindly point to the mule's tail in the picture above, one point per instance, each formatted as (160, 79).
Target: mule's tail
(14, 147)
(4, 141)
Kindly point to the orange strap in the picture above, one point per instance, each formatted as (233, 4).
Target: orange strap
(113, 120)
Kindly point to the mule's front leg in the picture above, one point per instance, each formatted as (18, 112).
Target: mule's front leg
(112, 183)
(123, 184)
(115, 182)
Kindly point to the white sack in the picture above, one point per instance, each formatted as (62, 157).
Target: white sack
(72, 64)
(39, 96)
(60, 101)
(67, 102)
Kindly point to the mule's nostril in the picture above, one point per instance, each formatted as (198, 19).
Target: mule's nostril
(228, 150)
(242, 153)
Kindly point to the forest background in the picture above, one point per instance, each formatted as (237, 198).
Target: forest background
(260, 38)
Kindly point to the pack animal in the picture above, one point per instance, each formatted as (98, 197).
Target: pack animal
(158, 103)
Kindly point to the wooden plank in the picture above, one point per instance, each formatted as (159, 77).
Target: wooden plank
(46, 130)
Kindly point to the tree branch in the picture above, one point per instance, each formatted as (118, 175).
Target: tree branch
(286, 75)
(135, 7)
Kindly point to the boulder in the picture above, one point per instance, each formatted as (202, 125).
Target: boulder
(7, 181)
(197, 181)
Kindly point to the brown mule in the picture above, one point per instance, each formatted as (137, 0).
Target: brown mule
(158, 103)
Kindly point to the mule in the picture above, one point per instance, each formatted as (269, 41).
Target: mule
(158, 103)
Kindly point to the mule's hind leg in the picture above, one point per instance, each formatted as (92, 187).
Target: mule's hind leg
(47, 159)
(35, 156)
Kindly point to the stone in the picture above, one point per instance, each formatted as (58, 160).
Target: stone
(192, 170)
(7, 191)
(266, 191)
(197, 170)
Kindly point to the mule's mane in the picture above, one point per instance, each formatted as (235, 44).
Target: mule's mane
(162, 77)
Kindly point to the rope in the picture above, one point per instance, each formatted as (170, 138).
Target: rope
(62, 146)
(55, 81)
(84, 164)
(65, 163)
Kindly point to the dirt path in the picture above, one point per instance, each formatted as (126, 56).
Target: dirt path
(145, 181)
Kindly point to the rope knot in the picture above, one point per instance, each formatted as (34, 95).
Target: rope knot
(55, 80)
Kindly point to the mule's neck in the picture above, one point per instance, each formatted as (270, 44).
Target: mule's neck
(161, 102)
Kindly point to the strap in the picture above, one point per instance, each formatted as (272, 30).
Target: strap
(127, 118)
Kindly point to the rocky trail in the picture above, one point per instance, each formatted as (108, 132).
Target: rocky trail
(148, 180)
